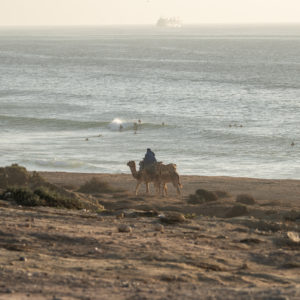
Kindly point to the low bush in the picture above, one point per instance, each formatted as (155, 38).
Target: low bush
(13, 175)
(202, 196)
(40, 197)
(95, 186)
(23, 196)
(30, 189)
(53, 199)
(245, 199)
(237, 211)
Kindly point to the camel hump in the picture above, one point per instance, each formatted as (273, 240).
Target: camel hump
(166, 170)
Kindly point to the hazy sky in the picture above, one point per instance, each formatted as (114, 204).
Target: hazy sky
(98, 12)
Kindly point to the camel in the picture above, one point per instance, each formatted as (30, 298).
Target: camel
(164, 174)
(168, 173)
(143, 176)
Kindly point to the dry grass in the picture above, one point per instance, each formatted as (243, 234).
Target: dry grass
(245, 199)
(202, 196)
(222, 194)
(96, 186)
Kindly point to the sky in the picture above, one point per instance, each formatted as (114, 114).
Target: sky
(109, 12)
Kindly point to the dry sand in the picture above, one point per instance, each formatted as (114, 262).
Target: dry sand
(47, 253)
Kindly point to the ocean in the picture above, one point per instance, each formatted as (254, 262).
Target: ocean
(215, 100)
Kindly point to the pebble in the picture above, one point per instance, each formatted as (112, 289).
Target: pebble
(125, 284)
(124, 228)
(172, 218)
(159, 227)
(22, 258)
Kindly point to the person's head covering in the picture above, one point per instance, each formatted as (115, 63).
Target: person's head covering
(148, 149)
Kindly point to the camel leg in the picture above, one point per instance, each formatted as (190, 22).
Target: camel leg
(157, 188)
(137, 188)
(147, 188)
(176, 186)
(165, 190)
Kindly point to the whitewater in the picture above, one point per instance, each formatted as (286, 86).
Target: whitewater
(215, 100)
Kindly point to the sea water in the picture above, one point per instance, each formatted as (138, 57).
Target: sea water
(215, 100)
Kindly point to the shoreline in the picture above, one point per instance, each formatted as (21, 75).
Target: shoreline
(261, 189)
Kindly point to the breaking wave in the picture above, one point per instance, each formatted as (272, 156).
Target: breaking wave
(60, 164)
(49, 124)
(118, 124)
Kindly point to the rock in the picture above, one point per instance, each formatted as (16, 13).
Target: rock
(22, 258)
(236, 211)
(172, 218)
(293, 236)
(125, 284)
(159, 227)
(124, 228)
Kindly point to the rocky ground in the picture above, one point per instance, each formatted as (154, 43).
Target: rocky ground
(148, 247)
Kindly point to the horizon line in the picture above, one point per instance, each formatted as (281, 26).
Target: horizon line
(153, 25)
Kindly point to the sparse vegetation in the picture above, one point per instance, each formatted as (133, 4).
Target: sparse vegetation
(23, 196)
(30, 189)
(202, 196)
(222, 194)
(96, 186)
(237, 210)
(190, 216)
(245, 199)
(53, 199)
(13, 175)
(40, 197)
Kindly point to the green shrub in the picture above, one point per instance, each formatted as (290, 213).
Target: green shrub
(41, 197)
(23, 196)
(30, 189)
(53, 199)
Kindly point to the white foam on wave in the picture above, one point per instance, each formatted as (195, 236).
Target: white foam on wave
(60, 164)
(118, 124)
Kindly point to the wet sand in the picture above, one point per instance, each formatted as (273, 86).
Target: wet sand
(149, 247)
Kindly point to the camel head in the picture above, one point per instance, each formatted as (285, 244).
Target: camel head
(131, 164)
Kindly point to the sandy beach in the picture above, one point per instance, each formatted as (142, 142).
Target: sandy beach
(150, 247)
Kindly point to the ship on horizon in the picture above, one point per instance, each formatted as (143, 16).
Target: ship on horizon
(173, 22)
